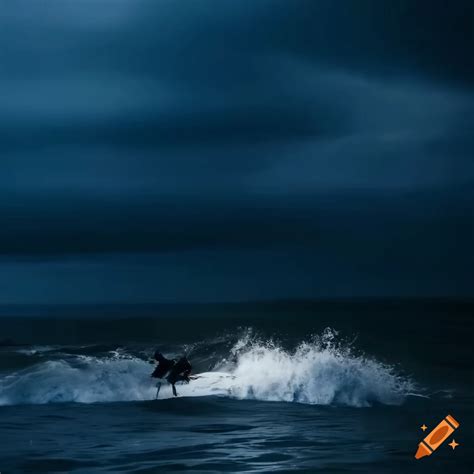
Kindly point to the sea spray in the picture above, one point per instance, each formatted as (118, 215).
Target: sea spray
(320, 371)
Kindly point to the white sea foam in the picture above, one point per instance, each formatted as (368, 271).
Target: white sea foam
(87, 380)
(318, 372)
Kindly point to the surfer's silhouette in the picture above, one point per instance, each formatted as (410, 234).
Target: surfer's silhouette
(171, 370)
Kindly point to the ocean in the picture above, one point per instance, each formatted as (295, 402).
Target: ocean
(295, 386)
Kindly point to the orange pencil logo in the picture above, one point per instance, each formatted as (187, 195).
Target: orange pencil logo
(436, 437)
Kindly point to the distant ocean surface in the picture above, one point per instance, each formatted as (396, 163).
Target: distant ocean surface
(335, 387)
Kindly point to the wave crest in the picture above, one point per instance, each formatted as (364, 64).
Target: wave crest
(321, 372)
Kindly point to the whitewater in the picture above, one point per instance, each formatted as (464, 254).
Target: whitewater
(317, 372)
(277, 394)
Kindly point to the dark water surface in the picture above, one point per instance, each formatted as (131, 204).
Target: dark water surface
(75, 395)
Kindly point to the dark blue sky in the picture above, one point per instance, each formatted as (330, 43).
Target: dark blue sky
(216, 150)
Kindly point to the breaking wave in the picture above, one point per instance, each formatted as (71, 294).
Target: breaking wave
(320, 372)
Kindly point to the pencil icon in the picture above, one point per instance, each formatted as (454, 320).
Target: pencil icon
(436, 437)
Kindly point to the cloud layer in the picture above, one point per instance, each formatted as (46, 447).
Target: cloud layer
(335, 130)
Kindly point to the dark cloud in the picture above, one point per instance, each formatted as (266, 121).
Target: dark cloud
(427, 39)
(341, 129)
(212, 40)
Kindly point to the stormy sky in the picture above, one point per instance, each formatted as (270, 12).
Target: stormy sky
(164, 151)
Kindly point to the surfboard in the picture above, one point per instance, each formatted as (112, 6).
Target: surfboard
(200, 385)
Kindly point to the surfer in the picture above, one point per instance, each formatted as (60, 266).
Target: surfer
(171, 370)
